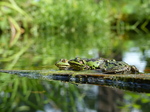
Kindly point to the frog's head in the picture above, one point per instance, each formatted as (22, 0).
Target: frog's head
(63, 64)
(78, 64)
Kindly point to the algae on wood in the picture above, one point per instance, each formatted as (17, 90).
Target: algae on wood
(131, 82)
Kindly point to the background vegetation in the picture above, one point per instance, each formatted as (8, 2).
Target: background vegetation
(35, 34)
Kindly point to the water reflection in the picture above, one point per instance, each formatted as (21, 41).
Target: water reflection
(131, 82)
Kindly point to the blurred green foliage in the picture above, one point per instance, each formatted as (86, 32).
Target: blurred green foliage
(35, 34)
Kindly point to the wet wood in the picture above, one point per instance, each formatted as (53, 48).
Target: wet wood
(131, 82)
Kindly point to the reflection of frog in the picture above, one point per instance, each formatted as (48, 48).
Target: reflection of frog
(103, 65)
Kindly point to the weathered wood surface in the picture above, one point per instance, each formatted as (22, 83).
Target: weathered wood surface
(131, 82)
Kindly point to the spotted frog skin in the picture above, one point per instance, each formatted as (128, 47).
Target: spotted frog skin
(102, 65)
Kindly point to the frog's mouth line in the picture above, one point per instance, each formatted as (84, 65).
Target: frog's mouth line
(62, 66)
(76, 65)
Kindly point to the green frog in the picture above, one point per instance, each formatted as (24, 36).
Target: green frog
(63, 64)
(102, 65)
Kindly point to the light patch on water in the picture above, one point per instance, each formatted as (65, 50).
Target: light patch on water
(135, 57)
(136, 110)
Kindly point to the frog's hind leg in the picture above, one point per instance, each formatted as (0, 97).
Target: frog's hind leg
(134, 69)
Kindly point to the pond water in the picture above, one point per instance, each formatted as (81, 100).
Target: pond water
(42, 53)
(35, 34)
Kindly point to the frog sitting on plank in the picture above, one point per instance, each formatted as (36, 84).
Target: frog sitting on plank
(104, 65)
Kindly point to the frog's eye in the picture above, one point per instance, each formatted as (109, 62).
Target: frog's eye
(77, 59)
(64, 60)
